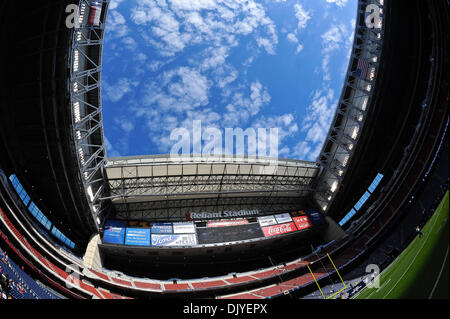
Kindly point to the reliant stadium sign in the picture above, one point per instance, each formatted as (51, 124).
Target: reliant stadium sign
(222, 214)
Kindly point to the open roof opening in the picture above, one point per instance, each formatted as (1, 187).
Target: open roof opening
(227, 64)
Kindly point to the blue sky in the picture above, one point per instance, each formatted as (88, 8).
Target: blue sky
(228, 63)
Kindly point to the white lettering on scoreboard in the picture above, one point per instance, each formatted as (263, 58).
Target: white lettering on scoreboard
(184, 228)
(224, 214)
(283, 218)
(267, 220)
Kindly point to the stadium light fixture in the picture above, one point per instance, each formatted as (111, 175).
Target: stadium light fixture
(82, 12)
(76, 111)
(76, 61)
(90, 193)
(355, 132)
(364, 103)
(372, 74)
(81, 153)
(344, 162)
(334, 186)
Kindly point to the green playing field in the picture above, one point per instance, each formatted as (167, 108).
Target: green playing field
(421, 270)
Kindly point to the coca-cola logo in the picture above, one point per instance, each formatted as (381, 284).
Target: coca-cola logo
(279, 229)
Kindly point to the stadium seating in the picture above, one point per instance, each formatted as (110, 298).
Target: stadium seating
(30, 289)
(345, 250)
(62, 275)
(192, 285)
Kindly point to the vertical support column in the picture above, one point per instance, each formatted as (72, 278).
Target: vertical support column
(92, 258)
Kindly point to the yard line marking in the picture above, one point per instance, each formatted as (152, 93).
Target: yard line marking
(412, 262)
(439, 277)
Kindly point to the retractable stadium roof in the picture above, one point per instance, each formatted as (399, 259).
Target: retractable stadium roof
(163, 187)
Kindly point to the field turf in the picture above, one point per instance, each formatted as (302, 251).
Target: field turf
(421, 270)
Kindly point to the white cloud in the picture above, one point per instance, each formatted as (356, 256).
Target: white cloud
(140, 57)
(177, 24)
(115, 92)
(117, 27)
(125, 124)
(302, 150)
(316, 124)
(302, 16)
(129, 42)
(266, 44)
(243, 107)
(178, 90)
(215, 56)
(286, 125)
(224, 76)
(332, 40)
(293, 39)
(193, 4)
(110, 150)
(339, 3)
(113, 4)
(259, 96)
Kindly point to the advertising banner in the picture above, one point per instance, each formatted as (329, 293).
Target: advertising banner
(137, 236)
(138, 224)
(225, 223)
(279, 229)
(184, 228)
(283, 218)
(161, 228)
(114, 232)
(298, 213)
(174, 240)
(315, 217)
(302, 222)
(267, 220)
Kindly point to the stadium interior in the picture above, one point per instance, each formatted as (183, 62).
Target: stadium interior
(75, 223)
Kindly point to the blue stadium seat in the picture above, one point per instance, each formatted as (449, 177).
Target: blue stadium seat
(31, 289)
